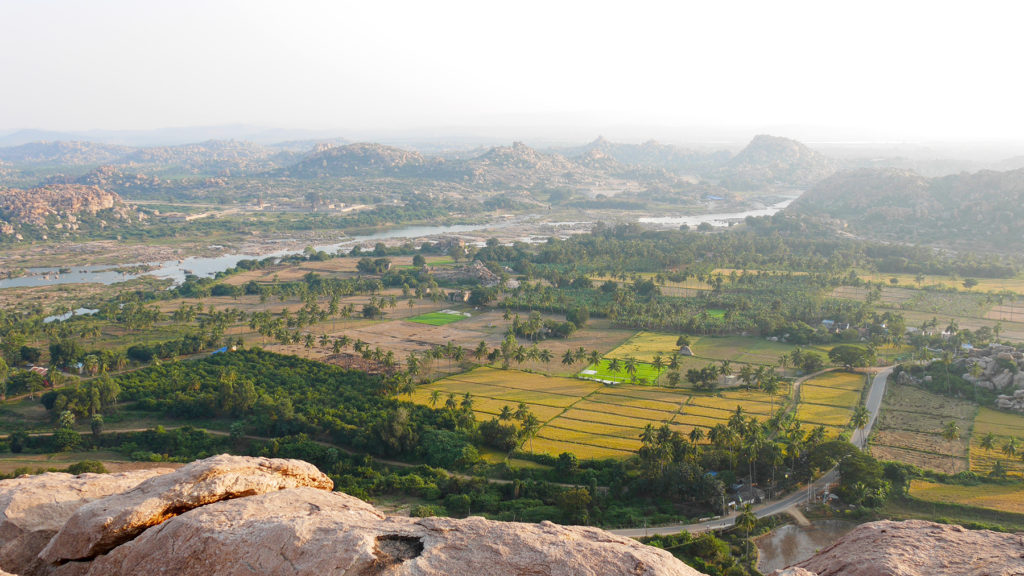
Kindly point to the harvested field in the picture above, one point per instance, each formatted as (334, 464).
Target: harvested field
(924, 460)
(909, 429)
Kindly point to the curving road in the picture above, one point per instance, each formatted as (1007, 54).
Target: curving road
(859, 438)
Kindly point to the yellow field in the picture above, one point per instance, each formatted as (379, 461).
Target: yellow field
(729, 404)
(992, 496)
(640, 414)
(829, 396)
(819, 414)
(829, 399)
(587, 418)
(984, 284)
(554, 447)
(1003, 425)
(839, 379)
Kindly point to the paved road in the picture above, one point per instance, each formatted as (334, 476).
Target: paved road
(874, 403)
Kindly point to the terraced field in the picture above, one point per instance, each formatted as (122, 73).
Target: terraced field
(909, 429)
(587, 418)
(1003, 425)
(829, 400)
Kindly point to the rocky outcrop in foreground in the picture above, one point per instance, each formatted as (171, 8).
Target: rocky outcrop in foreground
(237, 516)
(231, 515)
(916, 548)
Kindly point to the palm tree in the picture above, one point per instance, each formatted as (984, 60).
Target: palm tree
(770, 385)
(658, 363)
(614, 366)
(594, 357)
(747, 521)
(480, 351)
(631, 367)
(951, 433)
(435, 397)
(860, 419)
(506, 413)
(530, 427)
(1010, 447)
(697, 434)
(568, 359)
(988, 441)
(522, 412)
(947, 359)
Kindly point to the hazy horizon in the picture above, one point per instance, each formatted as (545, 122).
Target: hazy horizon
(876, 72)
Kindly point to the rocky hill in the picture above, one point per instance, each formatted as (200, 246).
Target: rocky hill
(230, 515)
(916, 548)
(775, 161)
(217, 157)
(59, 208)
(653, 154)
(980, 211)
(361, 159)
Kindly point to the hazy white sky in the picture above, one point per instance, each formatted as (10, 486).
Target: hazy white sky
(909, 70)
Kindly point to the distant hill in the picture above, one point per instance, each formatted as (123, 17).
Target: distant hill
(361, 159)
(652, 154)
(217, 157)
(775, 161)
(64, 153)
(978, 211)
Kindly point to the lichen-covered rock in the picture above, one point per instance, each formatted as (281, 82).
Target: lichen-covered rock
(101, 525)
(919, 548)
(34, 508)
(311, 532)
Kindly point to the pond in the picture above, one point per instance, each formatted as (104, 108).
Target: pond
(789, 544)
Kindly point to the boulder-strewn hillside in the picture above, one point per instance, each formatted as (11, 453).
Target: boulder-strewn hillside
(775, 161)
(983, 210)
(916, 548)
(59, 208)
(361, 159)
(230, 515)
(220, 157)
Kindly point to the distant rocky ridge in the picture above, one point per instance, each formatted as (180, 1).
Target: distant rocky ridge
(767, 161)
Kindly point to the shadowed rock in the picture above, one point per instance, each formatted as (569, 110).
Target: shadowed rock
(34, 508)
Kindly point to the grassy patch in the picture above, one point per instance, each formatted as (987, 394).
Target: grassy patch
(1009, 498)
(602, 371)
(437, 318)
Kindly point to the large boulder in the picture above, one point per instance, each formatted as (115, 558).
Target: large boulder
(102, 525)
(307, 532)
(919, 548)
(34, 508)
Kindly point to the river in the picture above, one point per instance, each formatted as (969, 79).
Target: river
(720, 219)
(206, 266)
